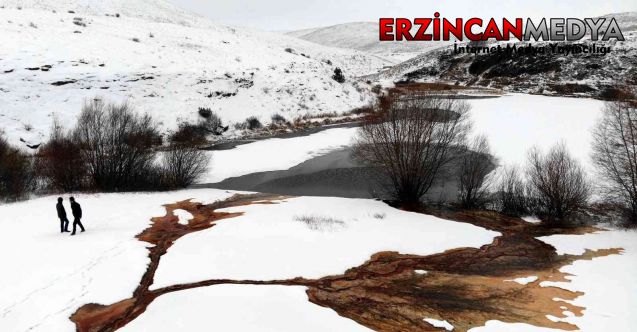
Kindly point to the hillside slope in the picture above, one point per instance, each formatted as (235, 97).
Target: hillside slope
(581, 74)
(51, 62)
(363, 36)
(153, 10)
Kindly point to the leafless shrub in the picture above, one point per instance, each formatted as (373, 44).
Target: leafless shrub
(188, 134)
(211, 122)
(410, 143)
(59, 162)
(338, 75)
(557, 183)
(510, 195)
(16, 172)
(183, 165)
(279, 120)
(205, 112)
(117, 146)
(253, 123)
(320, 223)
(474, 182)
(615, 155)
(320, 115)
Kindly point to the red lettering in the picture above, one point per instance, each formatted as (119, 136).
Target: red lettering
(508, 29)
(447, 28)
(403, 29)
(436, 26)
(492, 31)
(424, 23)
(399, 29)
(467, 28)
(386, 29)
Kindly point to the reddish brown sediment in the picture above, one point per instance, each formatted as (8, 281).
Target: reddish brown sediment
(386, 293)
(466, 286)
(162, 234)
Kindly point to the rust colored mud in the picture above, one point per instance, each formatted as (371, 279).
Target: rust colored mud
(394, 292)
(162, 233)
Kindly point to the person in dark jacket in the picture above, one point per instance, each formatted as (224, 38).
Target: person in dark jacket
(64, 222)
(77, 215)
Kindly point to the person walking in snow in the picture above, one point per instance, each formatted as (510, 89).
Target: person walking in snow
(64, 221)
(77, 215)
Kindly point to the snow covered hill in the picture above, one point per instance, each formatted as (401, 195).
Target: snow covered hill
(363, 36)
(154, 10)
(591, 75)
(53, 60)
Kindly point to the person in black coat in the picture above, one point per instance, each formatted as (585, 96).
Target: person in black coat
(77, 215)
(64, 222)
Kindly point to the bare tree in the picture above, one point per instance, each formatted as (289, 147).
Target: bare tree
(16, 172)
(410, 142)
(117, 145)
(59, 161)
(474, 182)
(183, 165)
(556, 183)
(615, 154)
(511, 192)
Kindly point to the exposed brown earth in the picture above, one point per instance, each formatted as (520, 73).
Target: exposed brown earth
(466, 286)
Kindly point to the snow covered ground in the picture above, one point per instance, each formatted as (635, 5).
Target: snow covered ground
(47, 275)
(50, 62)
(240, 308)
(608, 283)
(270, 242)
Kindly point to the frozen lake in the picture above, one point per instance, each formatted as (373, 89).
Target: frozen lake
(513, 123)
(517, 122)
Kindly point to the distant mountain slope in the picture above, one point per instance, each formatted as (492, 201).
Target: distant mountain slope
(50, 62)
(364, 36)
(155, 10)
(590, 75)
(627, 21)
